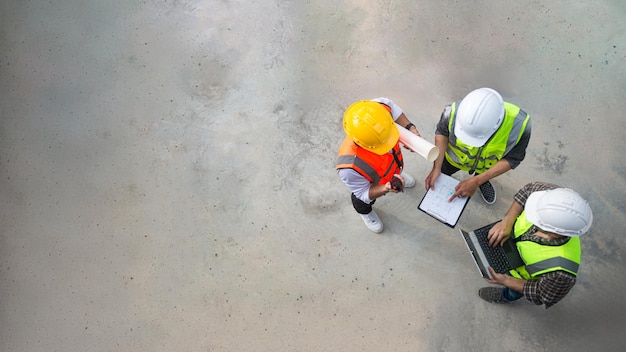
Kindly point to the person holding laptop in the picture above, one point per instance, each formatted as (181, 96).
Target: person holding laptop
(545, 222)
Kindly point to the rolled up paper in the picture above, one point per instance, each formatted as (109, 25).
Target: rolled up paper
(418, 144)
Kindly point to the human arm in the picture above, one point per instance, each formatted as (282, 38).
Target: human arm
(466, 188)
(506, 280)
(377, 191)
(402, 120)
(522, 195)
(361, 187)
(501, 231)
(397, 114)
(548, 290)
(441, 142)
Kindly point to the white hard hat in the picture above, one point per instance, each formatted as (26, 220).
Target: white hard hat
(479, 115)
(561, 211)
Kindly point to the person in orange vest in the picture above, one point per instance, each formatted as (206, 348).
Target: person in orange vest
(370, 161)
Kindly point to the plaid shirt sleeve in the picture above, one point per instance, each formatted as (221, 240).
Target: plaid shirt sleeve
(550, 288)
(522, 195)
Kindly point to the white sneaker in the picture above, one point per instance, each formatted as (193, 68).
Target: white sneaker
(373, 222)
(409, 181)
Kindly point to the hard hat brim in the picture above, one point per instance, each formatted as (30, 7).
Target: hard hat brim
(469, 140)
(532, 204)
(482, 112)
(394, 136)
(537, 204)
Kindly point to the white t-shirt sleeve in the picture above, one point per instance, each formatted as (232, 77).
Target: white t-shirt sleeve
(357, 183)
(396, 110)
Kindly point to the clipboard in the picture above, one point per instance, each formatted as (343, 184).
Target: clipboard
(435, 202)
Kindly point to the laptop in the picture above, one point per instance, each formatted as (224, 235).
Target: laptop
(501, 258)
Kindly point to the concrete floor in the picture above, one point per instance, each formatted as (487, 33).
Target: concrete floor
(167, 173)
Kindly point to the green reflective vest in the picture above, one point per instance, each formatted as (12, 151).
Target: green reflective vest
(540, 259)
(480, 159)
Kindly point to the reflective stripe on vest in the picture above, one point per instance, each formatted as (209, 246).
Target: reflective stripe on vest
(541, 259)
(480, 159)
(544, 265)
(378, 169)
(358, 163)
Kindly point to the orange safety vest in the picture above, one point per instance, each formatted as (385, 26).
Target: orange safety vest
(378, 169)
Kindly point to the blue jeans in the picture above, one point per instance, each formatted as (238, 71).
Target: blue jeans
(511, 295)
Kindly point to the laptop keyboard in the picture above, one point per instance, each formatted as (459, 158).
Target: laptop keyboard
(495, 255)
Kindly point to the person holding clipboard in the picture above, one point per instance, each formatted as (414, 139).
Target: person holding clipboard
(483, 135)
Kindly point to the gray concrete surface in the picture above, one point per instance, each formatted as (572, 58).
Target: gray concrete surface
(167, 177)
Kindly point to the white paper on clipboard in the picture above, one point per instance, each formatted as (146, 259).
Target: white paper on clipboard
(435, 202)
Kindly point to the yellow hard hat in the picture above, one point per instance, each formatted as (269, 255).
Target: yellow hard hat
(371, 126)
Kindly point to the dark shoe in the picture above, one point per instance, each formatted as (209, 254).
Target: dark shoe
(488, 192)
(492, 295)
